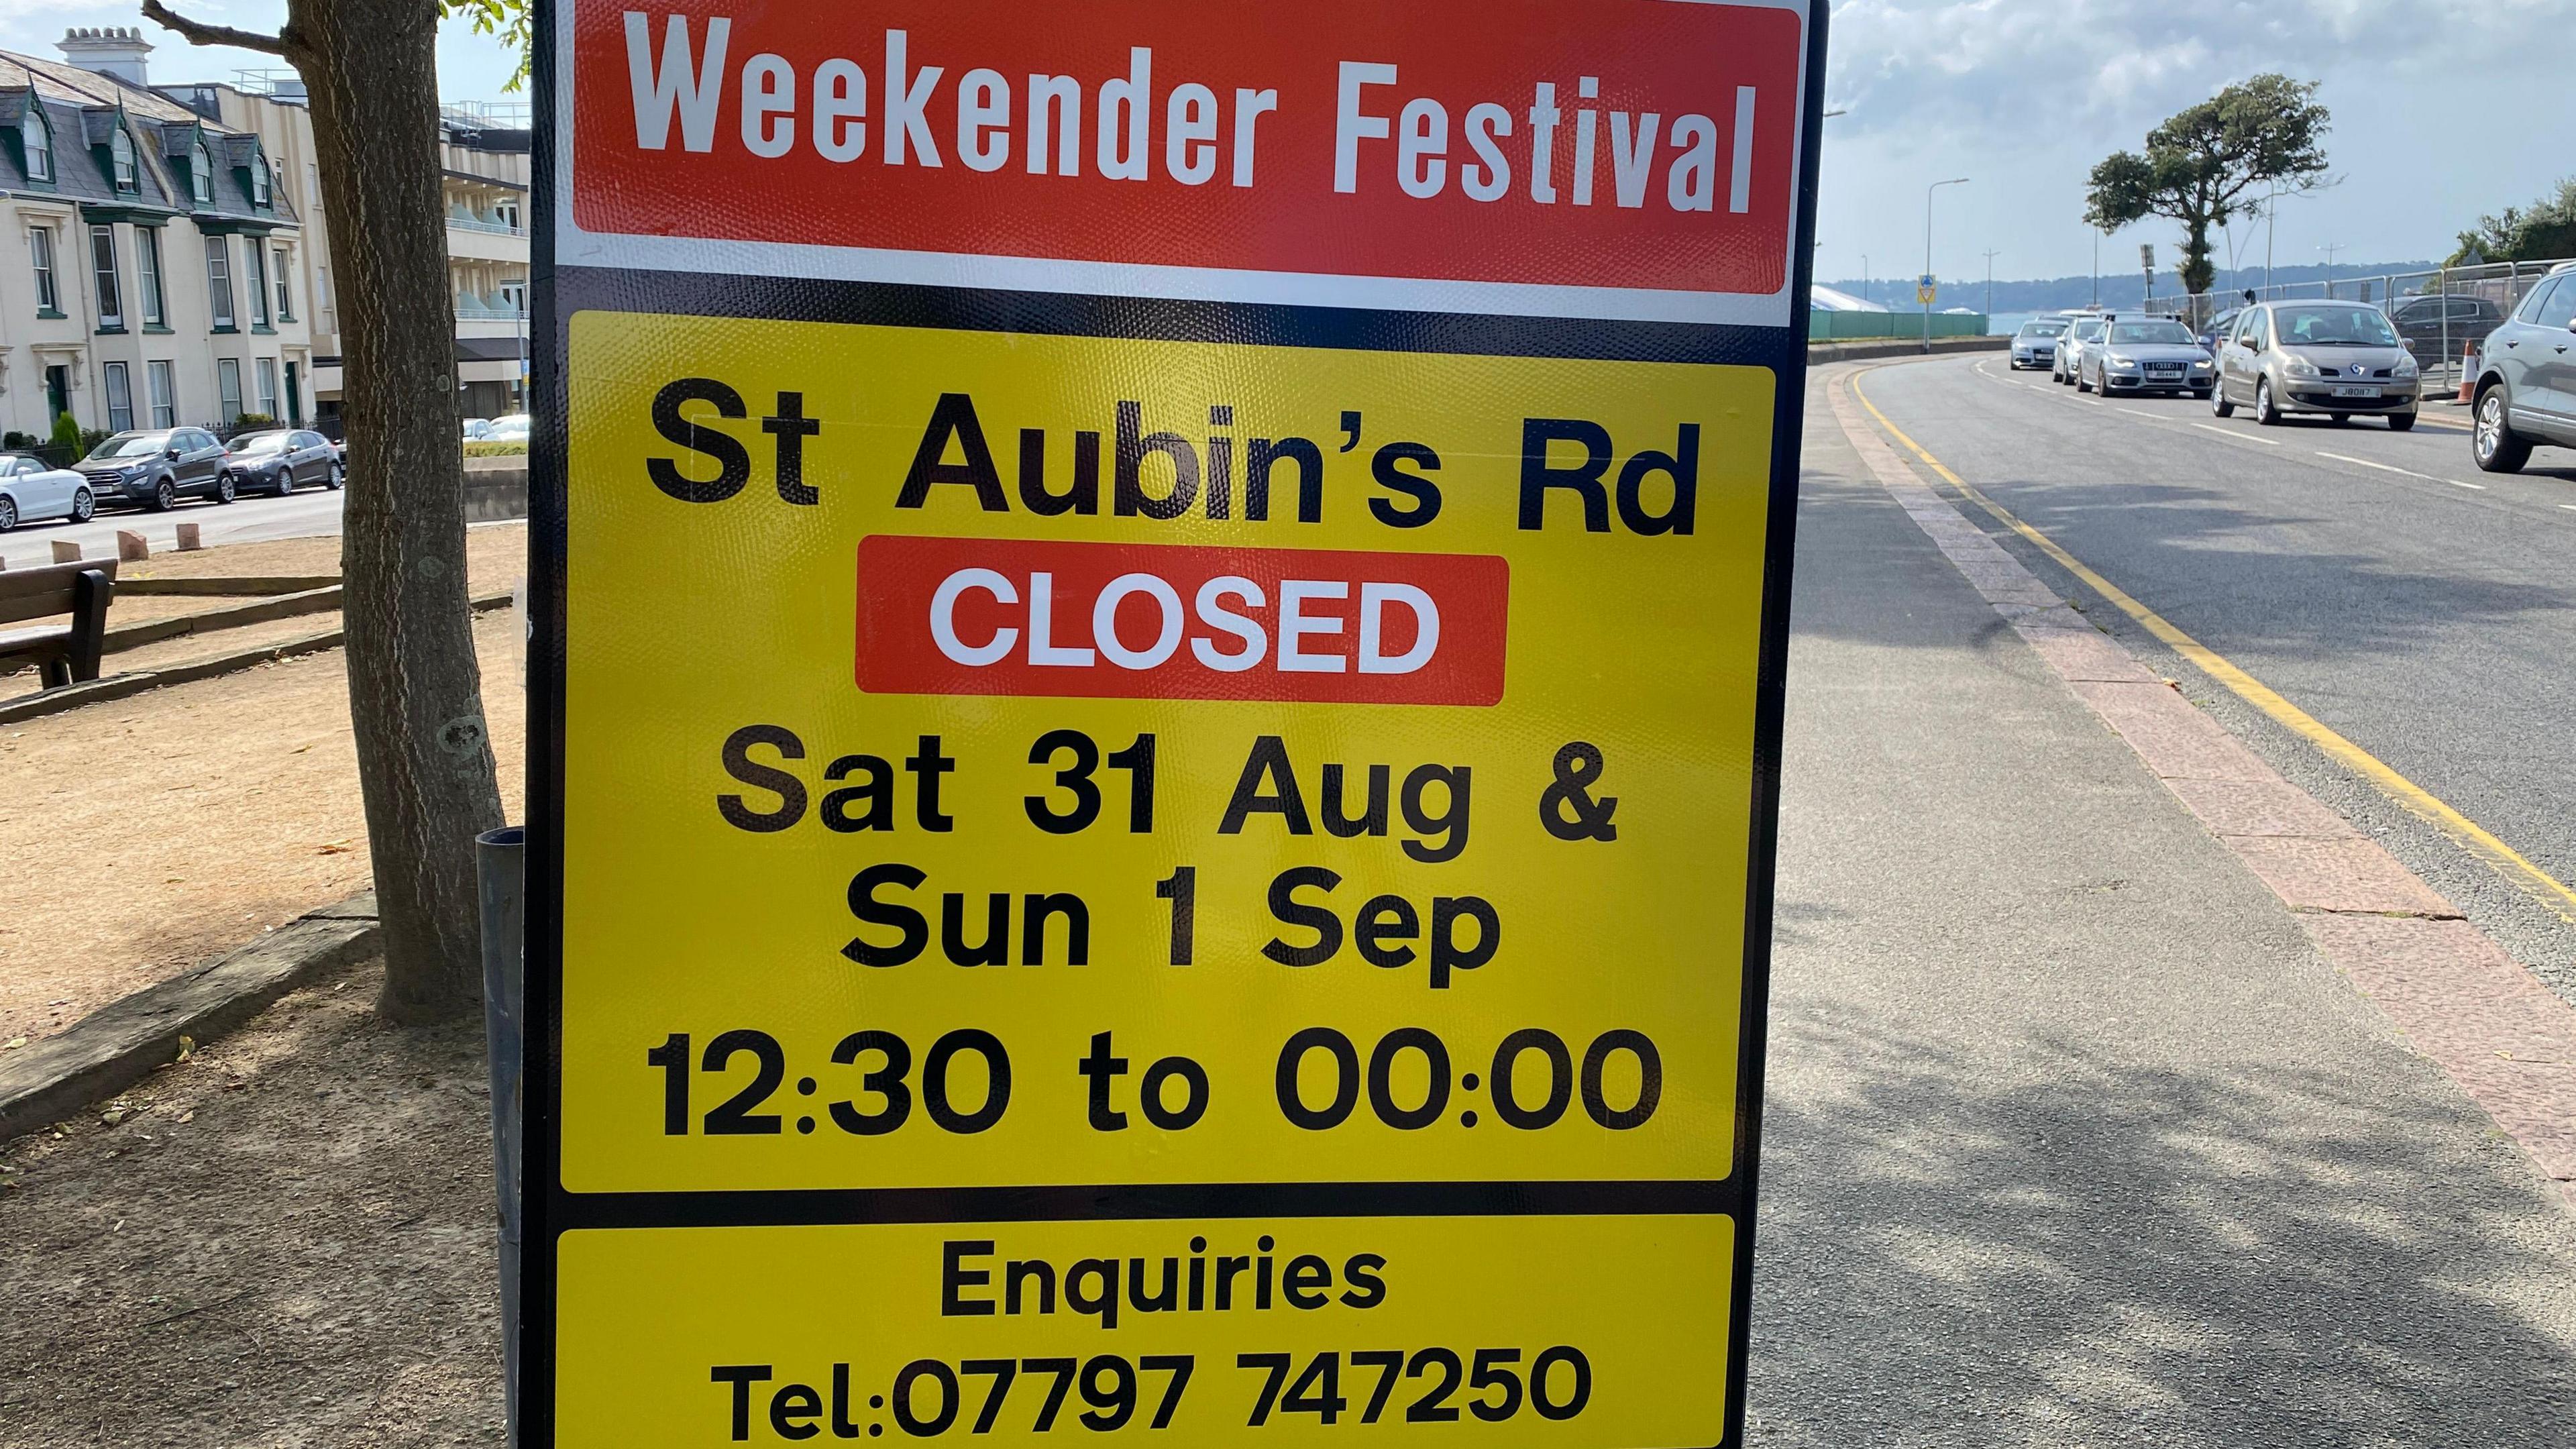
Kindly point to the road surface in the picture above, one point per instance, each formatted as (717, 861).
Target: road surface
(309, 512)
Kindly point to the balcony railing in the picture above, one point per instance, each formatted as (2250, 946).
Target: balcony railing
(498, 228)
(471, 311)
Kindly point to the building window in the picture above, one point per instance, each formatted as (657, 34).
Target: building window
(37, 139)
(285, 287)
(120, 150)
(40, 246)
(312, 187)
(147, 273)
(219, 282)
(165, 394)
(120, 398)
(506, 213)
(102, 255)
(265, 370)
(256, 283)
(514, 298)
(228, 385)
(201, 174)
(259, 195)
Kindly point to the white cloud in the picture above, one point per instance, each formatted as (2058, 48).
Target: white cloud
(2025, 95)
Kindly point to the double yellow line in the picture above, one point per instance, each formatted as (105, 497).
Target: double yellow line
(2552, 894)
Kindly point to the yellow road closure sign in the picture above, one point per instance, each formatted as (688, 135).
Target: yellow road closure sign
(1158, 707)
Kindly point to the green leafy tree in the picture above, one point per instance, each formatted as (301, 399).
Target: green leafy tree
(415, 691)
(2546, 232)
(2204, 165)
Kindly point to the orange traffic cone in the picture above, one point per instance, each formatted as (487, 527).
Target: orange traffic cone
(2468, 370)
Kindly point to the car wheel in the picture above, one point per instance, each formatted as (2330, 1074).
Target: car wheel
(2219, 406)
(83, 505)
(285, 482)
(225, 488)
(164, 497)
(338, 475)
(2493, 443)
(8, 514)
(2401, 422)
(2264, 412)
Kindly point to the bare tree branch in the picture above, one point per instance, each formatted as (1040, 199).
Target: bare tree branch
(197, 32)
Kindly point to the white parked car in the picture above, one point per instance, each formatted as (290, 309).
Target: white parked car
(31, 491)
(476, 429)
(511, 429)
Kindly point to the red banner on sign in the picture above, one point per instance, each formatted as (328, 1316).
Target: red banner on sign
(1157, 621)
(1616, 143)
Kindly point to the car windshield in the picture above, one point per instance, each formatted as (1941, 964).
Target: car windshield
(260, 443)
(2173, 332)
(2088, 331)
(132, 445)
(2334, 327)
(2042, 329)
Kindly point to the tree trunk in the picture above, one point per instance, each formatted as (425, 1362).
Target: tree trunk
(2197, 270)
(415, 693)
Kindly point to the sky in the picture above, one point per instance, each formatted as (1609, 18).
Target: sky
(2444, 110)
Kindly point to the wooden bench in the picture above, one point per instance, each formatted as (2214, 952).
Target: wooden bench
(65, 653)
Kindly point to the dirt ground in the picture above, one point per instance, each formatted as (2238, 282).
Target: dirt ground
(147, 834)
(286, 1240)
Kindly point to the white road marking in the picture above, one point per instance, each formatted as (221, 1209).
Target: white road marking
(2408, 472)
(2139, 413)
(2239, 437)
(2570, 507)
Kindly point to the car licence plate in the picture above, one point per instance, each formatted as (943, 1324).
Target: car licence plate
(2356, 392)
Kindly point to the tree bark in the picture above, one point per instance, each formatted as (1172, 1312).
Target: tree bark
(415, 692)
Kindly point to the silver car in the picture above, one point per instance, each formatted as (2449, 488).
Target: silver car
(2335, 358)
(2034, 343)
(2145, 354)
(2070, 348)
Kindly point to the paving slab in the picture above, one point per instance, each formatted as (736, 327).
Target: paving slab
(2075, 1136)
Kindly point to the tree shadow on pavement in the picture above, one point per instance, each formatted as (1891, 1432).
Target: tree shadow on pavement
(2075, 1251)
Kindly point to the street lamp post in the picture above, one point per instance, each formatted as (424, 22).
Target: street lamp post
(1927, 251)
(1991, 254)
(1864, 277)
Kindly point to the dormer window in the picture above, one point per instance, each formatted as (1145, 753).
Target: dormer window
(201, 174)
(259, 192)
(120, 150)
(37, 140)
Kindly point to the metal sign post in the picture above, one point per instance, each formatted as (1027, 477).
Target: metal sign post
(1156, 703)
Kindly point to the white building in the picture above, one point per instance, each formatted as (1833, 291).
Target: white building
(159, 255)
(202, 234)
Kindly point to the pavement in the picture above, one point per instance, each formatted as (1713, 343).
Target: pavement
(307, 513)
(2073, 1135)
(2427, 615)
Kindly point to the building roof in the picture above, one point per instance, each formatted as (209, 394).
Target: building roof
(81, 108)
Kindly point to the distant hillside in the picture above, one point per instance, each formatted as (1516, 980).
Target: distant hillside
(2116, 287)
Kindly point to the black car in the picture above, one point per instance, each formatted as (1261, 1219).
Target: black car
(158, 468)
(2526, 388)
(278, 460)
(2420, 322)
